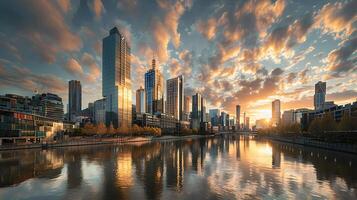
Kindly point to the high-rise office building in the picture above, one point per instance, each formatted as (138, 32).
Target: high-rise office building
(247, 126)
(154, 85)
(224, 119)
(116, 79)
(99, 111)
(214, 116)
(140, 100)
(288, 117)
(196, 111)
(74, 99)
(175, 97)
(275, 112)
(187, 108)
(203, 110)
(320, 94)
(237, 116)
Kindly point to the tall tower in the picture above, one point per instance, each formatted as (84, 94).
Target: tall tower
(154, 85)
(196, 110)
(275, 112)
(116, 79)
(175, 97)
(320, 94)
(74, 99)
(238, 116)
(140, 100)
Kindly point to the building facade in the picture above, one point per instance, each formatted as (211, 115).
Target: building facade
(154, 86)
(196, 111)
(48, 105)
(238, 116)
(288, 117)
(140, 100)
(320, 95)
(214, 117)
(116, 79)
(187, 108)
(175, 97)
(99, 111)
(275, 112)
(74, 99)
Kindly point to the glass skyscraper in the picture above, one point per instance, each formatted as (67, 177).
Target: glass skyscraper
(116, 79)
(320, 94)
(196, 111)
(154, 85)
(140, 100)
(175, 97)
(74, 99)
(275, 115)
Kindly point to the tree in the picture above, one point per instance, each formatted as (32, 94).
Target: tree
(111, 129)
(347, 123)
(101, 129)
(88, 129)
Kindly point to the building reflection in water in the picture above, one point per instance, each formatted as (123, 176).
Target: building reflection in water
(224, 167)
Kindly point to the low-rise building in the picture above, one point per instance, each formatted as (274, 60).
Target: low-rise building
(25, 127)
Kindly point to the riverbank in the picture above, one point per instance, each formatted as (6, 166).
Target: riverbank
(304, 141)
(98, 141)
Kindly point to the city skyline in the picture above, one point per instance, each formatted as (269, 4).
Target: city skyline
(295, 47)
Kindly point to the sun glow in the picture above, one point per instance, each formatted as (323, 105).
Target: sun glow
(263, 114)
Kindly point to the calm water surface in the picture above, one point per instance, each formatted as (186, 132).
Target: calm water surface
(229, 167)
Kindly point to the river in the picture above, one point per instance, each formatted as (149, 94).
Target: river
(223, 167)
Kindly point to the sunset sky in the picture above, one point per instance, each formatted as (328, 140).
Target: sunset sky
(233, 52)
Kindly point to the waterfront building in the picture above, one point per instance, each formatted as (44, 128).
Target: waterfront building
(298, 113)
(168, 123)
(288, 117)
(175, 97)
(140, 100)
(196, 111)
(146, 120)
(99, 111)
(26, 127)
(116, 79)
(17, 103)
(48, 105)
(275, 109)
(74, 99)
(320, 94)
(238, 116)
(154, 86)
(337, 112)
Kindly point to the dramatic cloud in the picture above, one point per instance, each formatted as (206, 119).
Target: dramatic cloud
(73, 67)
(98, 8)
(246, 52)
(338, 18)
(10, 76)
(46, 33)
(207, 29)
(251, 21)
(341, 60)
(282, 39)
(165, 31)
(65, 5)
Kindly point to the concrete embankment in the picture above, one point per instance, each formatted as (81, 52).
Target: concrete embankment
(343, 147)
(99, 141)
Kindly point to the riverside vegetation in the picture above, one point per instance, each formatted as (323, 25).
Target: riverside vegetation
(323, 129)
